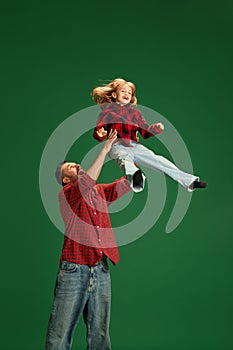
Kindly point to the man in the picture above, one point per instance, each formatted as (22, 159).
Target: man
(83, 281)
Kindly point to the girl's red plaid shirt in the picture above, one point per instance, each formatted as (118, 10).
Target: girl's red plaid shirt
(127, 120)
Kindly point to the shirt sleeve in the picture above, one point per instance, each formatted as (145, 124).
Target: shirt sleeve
(145, 129)
(79, 187)
(116, 189)
(84, 180)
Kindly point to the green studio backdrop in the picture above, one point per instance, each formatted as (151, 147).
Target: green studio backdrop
(169, 291)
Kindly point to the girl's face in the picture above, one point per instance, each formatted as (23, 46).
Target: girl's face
(123, 94)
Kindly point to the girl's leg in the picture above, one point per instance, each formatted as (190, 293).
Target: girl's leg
(124, 157)
(149, 159)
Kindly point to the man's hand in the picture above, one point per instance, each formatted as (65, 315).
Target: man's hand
(111, 139)
(101, 132)
(96, 166)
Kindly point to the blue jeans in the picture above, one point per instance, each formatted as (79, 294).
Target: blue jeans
(81, 289)
(126, 157)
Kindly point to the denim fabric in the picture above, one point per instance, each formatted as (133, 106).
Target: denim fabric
(81, 290)
(126, 157)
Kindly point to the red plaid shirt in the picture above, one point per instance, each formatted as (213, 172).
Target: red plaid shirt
(84, 209)
(127, 120)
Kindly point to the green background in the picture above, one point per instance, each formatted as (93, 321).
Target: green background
(169, 291)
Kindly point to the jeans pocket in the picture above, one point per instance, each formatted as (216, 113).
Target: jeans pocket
(104, 265)
(68, 267)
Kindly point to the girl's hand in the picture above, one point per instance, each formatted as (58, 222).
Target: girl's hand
(160, 125)
(101, 132)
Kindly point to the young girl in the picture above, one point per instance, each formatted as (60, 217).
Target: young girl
(118, 101)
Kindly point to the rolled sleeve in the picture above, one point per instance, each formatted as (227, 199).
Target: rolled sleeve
(84, 180)
(116, 189)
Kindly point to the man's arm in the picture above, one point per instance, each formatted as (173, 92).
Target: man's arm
(96, 167)
(116, 189)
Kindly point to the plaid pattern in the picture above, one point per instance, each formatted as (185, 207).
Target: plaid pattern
(127, 120)
(84, 209)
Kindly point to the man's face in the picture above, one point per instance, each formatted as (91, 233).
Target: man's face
(69, 172)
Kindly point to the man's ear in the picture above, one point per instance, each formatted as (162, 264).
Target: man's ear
(66, 180)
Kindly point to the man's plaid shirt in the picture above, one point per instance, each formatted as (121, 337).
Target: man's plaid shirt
(127, 120)
(84, 209)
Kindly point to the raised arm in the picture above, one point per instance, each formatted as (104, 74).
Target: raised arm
(99, 132)
(116, 189)
(147, 130)
(96, 167)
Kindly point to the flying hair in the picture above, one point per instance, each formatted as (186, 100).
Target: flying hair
(103, 94)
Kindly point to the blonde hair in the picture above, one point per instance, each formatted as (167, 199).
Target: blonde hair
(103, 94)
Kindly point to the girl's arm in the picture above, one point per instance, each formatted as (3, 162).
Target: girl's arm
(147, 130)
(100, 132)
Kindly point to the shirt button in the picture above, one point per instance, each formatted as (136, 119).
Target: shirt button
(94, 213)
(97, 226)
(99, 240)
(101, 252)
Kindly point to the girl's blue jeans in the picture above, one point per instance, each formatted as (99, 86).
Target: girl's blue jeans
(126, 157)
